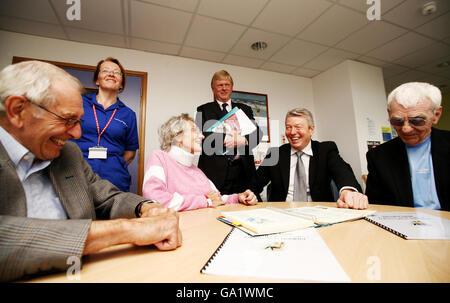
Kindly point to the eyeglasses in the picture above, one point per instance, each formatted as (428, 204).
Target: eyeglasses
(115, 72)
(414, 121)
(69, 121)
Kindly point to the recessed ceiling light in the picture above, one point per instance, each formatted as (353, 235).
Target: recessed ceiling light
(259, 46)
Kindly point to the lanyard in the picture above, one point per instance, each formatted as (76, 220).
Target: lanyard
(106, 126)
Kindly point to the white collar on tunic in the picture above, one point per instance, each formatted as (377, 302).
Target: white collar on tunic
(181, 156)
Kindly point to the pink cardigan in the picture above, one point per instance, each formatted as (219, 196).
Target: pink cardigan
(176, 185)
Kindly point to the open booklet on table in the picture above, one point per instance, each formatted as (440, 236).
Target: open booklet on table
(270, 220)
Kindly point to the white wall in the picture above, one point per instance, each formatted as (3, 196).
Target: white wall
(369, 101)
(175, 84)
(344, 97)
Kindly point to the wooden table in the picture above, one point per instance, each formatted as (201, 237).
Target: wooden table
(367, 253)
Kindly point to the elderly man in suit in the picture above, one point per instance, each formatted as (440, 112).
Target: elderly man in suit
(413, 169)
(302, 169)
(50, 198)
(232, 172)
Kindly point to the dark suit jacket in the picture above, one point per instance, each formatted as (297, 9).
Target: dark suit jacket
(325, 164)
(28, 245)
(389, 179)
(214, 164)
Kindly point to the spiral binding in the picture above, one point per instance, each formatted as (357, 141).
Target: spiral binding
(386, 228)
(216, 252)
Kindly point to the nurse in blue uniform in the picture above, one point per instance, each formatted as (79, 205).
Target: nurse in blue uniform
(109, 134)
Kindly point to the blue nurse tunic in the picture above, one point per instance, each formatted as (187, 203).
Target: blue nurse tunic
(121, 135)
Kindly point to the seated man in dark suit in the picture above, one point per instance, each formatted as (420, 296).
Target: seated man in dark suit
(413, 169)
(50, 196)
(302, 169)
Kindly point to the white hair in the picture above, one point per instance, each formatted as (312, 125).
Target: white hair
(409, 94)
(171, 129)
(33, 80)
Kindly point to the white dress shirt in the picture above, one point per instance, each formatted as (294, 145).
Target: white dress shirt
(307, 154)
(228, 108)
(306, 157)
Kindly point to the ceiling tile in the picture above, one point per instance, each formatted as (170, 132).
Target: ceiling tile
(334, 25)
(392, 70)
(277, 67)
(432, 67)
(201, 54)
(155, 46)
(425, 55)
(400, 47)
(372, 61)
(92, 37)
(304, 72)
(243, 61)
(32, 28)
(409, 13)
(243, 12)
(158, 23)
(329, 59)
(362, 5)
(99, 15)
(289, 17)
(212, 34)
(375, 34)
(298, 52)
(409, 76)
(274, 42)
(34, 10)
(186, 5)
(438, 28)
(389, 69)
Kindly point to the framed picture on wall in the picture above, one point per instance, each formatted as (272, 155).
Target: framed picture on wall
(259, 105)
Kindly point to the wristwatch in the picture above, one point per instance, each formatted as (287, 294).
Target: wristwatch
(137, 210)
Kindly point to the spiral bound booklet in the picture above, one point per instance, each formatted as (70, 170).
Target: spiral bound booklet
(299, 255)
(413, 225)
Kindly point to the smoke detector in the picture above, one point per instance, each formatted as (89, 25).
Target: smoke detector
(429, 8)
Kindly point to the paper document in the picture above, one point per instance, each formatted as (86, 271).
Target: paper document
(262, 221)
(413, 225)
(298, 255)
(235, 120)
(269, 220)
(329, 215)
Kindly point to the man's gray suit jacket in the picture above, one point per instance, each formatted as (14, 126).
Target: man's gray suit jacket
(29, 246)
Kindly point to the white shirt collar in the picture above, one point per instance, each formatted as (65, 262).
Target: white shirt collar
(220, 103)
(181, 156)
(307, 150)
(15, 150)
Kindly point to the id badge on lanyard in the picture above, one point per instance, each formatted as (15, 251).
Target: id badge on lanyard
(99, 152)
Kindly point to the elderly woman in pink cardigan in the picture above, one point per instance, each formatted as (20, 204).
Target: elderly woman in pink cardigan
(172, 179)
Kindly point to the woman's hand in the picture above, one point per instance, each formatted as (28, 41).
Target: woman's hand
(247, 198)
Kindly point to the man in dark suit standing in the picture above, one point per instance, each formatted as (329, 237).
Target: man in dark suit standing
(50, 199)
(230, 172)
(413, 169)
(302, 169)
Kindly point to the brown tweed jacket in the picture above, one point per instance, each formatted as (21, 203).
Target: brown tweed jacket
(29, 246)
